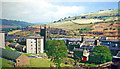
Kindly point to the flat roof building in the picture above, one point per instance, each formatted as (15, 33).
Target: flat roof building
(35, 44)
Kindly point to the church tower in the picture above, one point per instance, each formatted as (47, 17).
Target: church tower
(45, 33)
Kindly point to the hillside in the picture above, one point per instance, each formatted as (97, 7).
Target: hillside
(84, 20)
(13, 23)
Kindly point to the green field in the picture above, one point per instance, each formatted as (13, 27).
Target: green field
(73, 24)
(87, 21)
(88, 64)
(68, 26)
(14, 31)
(25, 33)
(38, 62)
(6, 63)
(8, 48)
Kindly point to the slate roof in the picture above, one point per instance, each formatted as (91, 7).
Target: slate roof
(76, 49)
(88, 47)
(90, 39)
(12, 44)
(70, 39)
(34, 36)
(8, 54)
(118, 55)
(19, 47)
(111, 40)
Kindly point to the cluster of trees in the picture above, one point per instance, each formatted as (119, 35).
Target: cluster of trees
(78, 55)
(99, 55)
(56, 50)
(62, 19)
(10, 40)
(10, 29)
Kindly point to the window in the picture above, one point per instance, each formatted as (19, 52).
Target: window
(31, 48)
(18, 60)
(31, 41)
(31, 45)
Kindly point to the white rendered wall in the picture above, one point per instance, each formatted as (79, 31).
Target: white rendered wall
(2, 40)
(42, 46)
(29, 50)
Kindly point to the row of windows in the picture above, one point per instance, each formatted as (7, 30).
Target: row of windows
(35, 48)
(38, 45)
(35, 42)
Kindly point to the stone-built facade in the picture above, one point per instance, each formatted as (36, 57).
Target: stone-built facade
(22, 60)
(35, 44)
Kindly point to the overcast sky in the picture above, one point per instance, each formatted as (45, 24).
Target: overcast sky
(48, 11)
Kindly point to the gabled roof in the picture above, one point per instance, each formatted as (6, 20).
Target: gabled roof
(12, 44)
(8, 54)
(19, 47)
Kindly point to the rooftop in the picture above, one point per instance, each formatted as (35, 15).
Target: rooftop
(34, 36)
(10, 54)
(90, 39)
(117, 56)
(76, 49)
(111, 40)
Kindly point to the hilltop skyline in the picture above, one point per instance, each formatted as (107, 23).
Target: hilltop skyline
(44, 11)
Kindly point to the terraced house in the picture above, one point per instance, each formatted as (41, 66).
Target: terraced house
(19, 58)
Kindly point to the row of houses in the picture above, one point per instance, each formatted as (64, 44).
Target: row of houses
(17, 46)
(34, 44)
(89, 44)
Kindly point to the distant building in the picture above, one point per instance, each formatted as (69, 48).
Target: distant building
(85, 55)
(112, 44)
(90, 42)
(2, 40)
(35, 44)
(14, 38)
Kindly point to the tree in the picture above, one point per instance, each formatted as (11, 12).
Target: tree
(100, 54)
(56, 50)
(78, 55)
(10, 40)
